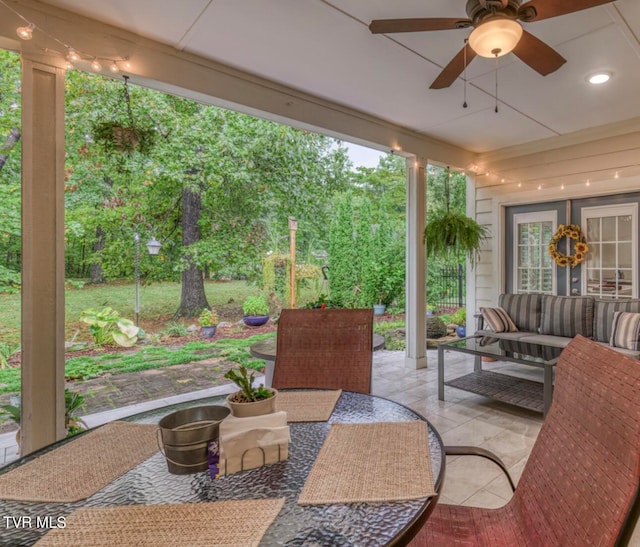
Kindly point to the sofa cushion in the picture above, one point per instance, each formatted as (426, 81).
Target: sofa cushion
(516, 335)
(524, 310)
(629, 352)
(547, 340)
(498, 320)
(567, 316)
(625, 331)
(603, 311)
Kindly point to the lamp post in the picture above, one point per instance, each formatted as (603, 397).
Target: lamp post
(153, 247)
(293, 226)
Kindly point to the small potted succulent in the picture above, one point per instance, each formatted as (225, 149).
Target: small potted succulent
(208, 322)
(256, 311)
(249, 400)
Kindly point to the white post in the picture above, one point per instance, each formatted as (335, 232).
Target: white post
(42, 403)
(416, 297)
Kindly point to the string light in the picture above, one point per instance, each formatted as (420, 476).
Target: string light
(588, 182)
(25, 32)
(72, 55)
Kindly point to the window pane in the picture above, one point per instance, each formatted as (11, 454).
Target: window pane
(609, 229)
(624, 255)
(624, 228)
(593, 229)
(609, 255)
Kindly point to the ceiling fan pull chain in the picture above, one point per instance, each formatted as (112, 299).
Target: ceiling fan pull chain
(464, 76)
(496, 82)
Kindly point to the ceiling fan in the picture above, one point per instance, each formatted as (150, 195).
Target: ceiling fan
(496, 32)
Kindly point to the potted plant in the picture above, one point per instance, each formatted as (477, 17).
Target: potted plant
(256, 311)
(122, 133)
(72, 403)
(450, 232)
(208, 322)
(249, 400)
(388, 280)
(460, 319)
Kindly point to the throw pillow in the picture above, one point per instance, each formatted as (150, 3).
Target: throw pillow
(498, 320)
(625, 331)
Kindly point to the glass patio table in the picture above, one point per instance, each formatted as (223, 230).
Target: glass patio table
(503, 387)
(386, 523)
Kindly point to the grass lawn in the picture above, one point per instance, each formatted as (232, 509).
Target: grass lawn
(158, 303)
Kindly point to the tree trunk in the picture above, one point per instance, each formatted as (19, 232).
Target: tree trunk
(9, 143)
(95, 270)
(193, 298)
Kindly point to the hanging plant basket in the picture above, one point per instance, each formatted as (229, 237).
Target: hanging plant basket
(122, 133)
(449, 231)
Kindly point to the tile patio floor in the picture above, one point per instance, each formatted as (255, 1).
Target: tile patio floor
(463, 418)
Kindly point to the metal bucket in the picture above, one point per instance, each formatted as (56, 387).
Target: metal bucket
(186, 435)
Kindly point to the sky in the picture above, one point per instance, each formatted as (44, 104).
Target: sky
(362, 156)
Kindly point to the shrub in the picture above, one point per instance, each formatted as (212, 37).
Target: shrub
(255, 305)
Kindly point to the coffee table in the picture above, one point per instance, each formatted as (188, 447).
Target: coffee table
(503, 387)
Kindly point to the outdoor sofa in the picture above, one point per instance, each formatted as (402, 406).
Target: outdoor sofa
(555, 320)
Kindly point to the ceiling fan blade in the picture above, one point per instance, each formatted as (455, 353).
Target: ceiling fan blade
(538, 55)
(536, 10)
(387, 26)
(451, 72)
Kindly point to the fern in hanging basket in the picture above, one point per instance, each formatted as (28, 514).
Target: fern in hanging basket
(116, 136)
(122, 133)
(448, 232)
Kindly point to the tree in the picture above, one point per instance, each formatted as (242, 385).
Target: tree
(343, 276)
(10, 132)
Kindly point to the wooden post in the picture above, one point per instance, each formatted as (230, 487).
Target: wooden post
(293, 226)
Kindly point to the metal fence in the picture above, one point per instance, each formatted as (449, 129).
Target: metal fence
(452, 290)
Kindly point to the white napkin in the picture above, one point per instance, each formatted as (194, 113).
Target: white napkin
(246, 443)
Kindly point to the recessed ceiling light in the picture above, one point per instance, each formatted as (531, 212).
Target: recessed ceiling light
(599, 78)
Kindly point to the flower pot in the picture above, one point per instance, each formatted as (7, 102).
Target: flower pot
(378, 309)
(254, 408)
(255, 320)
(186, 435)
(208, 331)
(461, 331)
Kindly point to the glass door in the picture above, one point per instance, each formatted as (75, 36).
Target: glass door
(610, 269)
(534, 269)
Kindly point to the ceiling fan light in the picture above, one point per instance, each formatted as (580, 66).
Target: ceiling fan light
(599, 78)
(496, 37)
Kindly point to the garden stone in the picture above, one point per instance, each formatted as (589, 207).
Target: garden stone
(436, 327)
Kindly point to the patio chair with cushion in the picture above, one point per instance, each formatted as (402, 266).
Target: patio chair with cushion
(328, 349)
(580, 485)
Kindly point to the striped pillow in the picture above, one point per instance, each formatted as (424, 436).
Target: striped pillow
(625, 331)
(523, 309)
(498, 320)
(603, 311)
(567, 316)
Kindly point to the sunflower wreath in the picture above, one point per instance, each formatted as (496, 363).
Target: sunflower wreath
(581, 248)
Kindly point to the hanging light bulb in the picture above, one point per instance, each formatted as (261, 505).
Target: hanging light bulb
(72, 55)
(113, 67)
(69, 65)
(95, 65)
(25, 33)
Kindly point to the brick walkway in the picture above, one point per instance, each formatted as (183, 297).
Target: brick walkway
(115, 391)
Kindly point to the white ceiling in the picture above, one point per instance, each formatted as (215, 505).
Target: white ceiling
(324, 47)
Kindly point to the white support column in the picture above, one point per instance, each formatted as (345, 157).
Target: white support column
(416, 298)
(42, 420)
